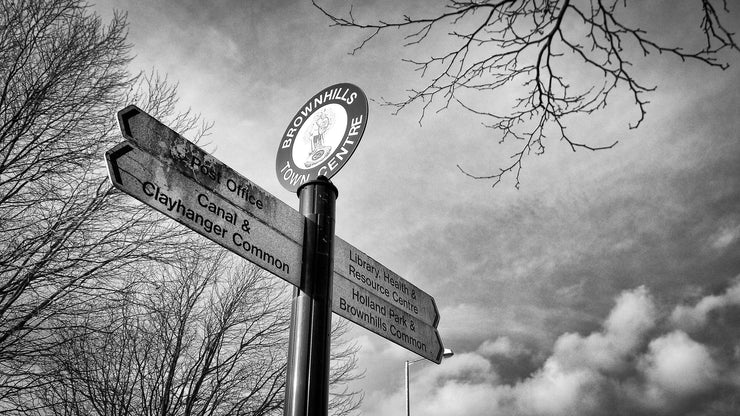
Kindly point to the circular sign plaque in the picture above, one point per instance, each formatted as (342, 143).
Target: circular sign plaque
(322, 135)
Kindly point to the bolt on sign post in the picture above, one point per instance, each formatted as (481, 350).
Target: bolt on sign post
(318, 141)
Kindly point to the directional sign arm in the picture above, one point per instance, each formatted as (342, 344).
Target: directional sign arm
(165, 144)
(352, 264)
(376, 315)
(156, 184)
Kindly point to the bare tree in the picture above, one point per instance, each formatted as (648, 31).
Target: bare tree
(206, 335)
(529, 48)
(196, 337)
(65, 234)
(343, 400)
(103, 307)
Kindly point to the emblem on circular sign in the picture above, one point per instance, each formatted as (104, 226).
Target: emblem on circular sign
(322, 135)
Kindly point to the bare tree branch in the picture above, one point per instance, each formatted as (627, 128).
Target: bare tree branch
(66, 236)
(529, 47)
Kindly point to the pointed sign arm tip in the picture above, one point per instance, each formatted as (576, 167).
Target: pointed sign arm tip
(113, 155)
(436, 313)
(123, 119)
(441, 352)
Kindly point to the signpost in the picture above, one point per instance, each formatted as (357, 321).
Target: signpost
(368, 276)
(174, 176)
(317, 142)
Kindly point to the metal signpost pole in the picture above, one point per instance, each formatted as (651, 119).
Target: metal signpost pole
(307, 388)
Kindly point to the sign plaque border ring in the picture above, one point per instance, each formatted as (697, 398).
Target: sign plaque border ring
(322, 135)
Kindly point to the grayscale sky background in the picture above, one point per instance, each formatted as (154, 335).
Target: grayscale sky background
(608, 284)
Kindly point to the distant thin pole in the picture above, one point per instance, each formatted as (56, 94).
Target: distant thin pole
(408, 406)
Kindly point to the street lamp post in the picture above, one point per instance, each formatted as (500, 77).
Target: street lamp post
(446, 354)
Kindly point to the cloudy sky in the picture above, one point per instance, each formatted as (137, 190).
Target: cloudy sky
(609, 283)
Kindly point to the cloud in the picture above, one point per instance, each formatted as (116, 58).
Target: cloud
(468, 368)
(555, 390)
(502, 346)
(440, 390)
(623, 331)
(695, 317)
(725, 236)
(637, 363)
(675, 368)
(580, 373)
(458, 398)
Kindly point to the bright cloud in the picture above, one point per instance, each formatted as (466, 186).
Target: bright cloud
(677, 367)
(555, 390)
(625, 328)
(692, 317)
(725, 236)
(628, 367)
(502, 346)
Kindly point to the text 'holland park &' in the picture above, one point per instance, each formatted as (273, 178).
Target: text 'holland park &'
(399, 324)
